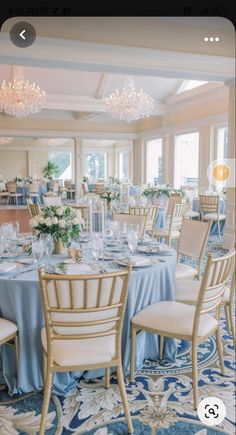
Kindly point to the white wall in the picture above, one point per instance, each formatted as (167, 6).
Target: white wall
(13, 163)
(37, 160)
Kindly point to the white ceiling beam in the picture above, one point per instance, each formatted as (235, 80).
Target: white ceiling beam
(87, 56)
(85, 104)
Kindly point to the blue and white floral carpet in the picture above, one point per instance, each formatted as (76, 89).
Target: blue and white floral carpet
(160, 399)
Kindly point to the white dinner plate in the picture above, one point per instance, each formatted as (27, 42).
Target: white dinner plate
(137, 262)
(10, 268)
(26, 261)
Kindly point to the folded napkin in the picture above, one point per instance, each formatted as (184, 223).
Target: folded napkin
(74, 269)
(137, 261)
(7, 266)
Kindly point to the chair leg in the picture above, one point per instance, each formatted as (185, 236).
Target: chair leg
(231, 319)
(195, 375)
(17, 351)
(220, 350)
(161, 346)
(46, 399)
(227, 317)
(107, 378)
(44, 368)
(132, 353)
(124, 398)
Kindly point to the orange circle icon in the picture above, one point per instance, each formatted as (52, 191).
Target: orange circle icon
(221, 172)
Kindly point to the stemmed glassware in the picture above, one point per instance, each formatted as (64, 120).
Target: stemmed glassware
(47, 240)
(8, 232)
(97, 245)
(38, 250)
(132, 239)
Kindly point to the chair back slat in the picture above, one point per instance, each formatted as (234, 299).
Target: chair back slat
(84, 306)
(209, 203)
(150, 212)
(132, 219)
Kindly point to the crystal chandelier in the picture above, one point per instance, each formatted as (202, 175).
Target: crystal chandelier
(20, 98)
(129, 104)
(5, 140)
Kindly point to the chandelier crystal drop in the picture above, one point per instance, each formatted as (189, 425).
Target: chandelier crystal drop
(21, 98)
(129, 104)
(5, 140)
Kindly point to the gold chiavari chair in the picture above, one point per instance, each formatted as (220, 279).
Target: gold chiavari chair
(131, 219)
(174, 223)
(83, 327)
(210, 211)
(34, 209)
(187, 292)
(188, 322)
(192, 242)
(12, 190)
(151, 213)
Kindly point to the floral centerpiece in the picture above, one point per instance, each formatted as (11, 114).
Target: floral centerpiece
(18, 179)
(110, 196)
(62, 222)
(114, 180)
(166, 190)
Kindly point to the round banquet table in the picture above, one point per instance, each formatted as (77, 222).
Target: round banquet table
(20, 301)
(222, 206)
(24, 191)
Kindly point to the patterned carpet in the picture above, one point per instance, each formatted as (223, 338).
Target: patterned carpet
(160, 399)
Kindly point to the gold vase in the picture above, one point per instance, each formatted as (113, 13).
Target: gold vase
(59, 247)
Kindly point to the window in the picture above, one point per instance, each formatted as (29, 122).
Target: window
(63, 159)
(124, 161)
(95, 165)
(222, 143)
(186, 160)
(186, 85)
(154, 161)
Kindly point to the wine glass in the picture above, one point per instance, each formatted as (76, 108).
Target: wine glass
(2, 246)
(47, 240)
(132, 239)
(16, 227)
(97, 244)
(38, 250)
(7, 230)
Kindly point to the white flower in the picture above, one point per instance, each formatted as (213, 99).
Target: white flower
(33, 222)
(62, 223)
(40, 219)
(60, 211)
(48, 221)
(75, 221)
(54, 220)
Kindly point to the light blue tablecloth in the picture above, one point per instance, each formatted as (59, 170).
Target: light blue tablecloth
(214, 227)
(20, 301)
(24, 191)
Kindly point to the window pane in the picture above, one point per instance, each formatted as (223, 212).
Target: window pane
(154, 161)
(222, 143)
(63, 160)
(95, 164)
(124, 164)
(186, 160)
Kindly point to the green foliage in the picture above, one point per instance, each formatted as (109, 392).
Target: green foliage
(162, 190)
(51, 170)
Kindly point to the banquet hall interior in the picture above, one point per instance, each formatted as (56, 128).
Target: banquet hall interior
(117, 226)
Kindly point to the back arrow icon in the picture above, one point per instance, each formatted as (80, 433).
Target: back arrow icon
(22, 34)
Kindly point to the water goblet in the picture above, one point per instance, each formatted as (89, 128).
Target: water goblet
(38, 250)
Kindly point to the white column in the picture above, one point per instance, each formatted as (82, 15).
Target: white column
(78, 165)
(229, 233)
(206, 149)
(139, 161)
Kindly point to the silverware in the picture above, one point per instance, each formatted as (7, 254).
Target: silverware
(28, 269)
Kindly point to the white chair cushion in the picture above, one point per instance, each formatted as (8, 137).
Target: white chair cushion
(187, 290)
(81, 352)
(214, 217)
(184, 271)
(174, 318)
(164, 232)
(7, 328)
(192, 214)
